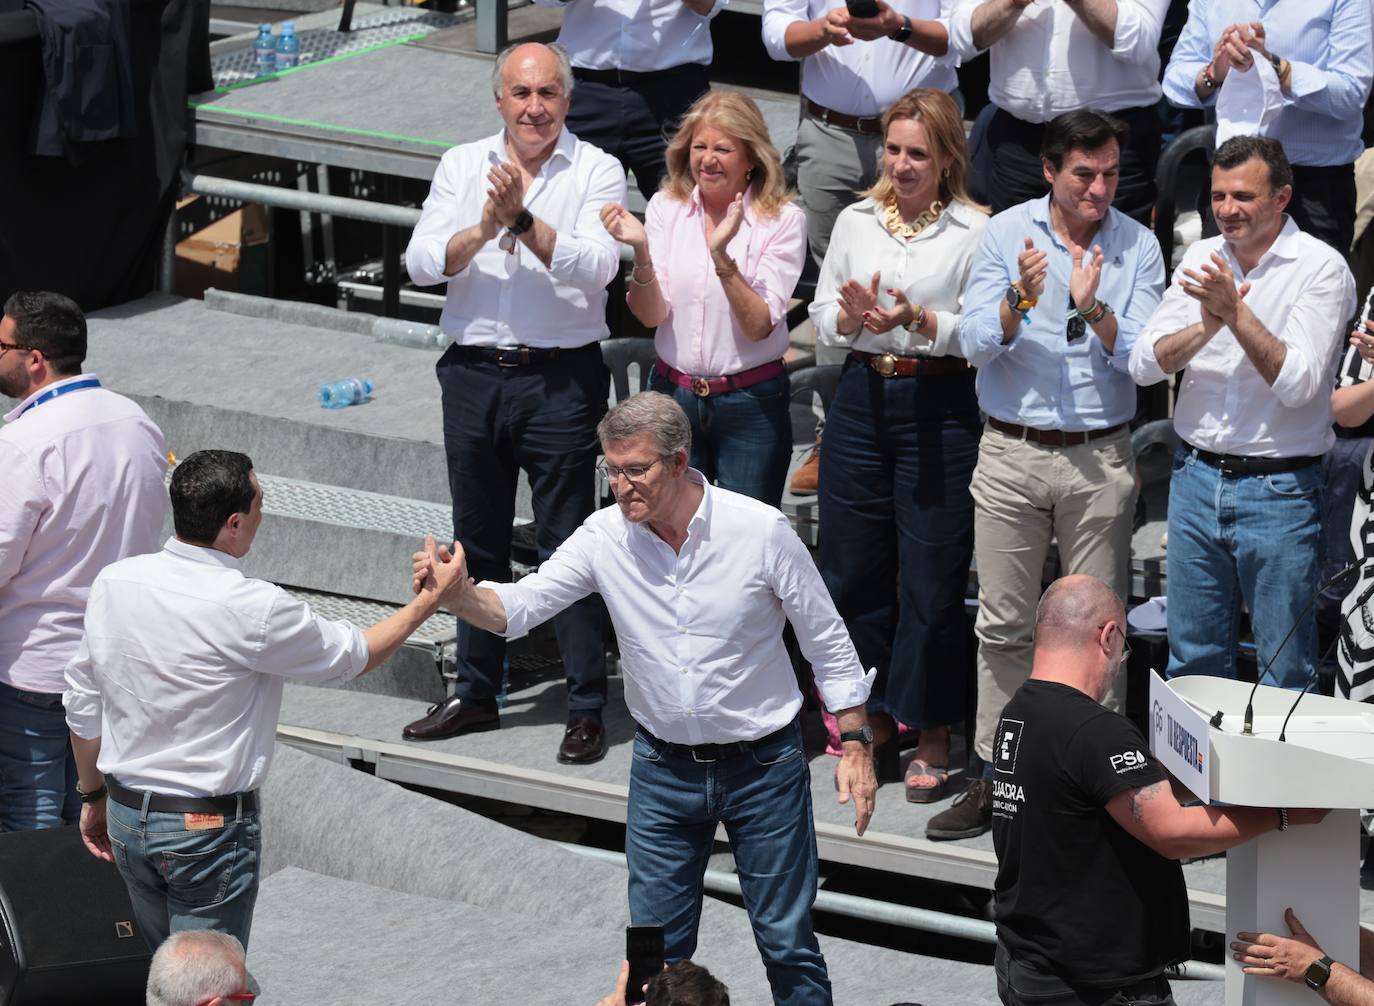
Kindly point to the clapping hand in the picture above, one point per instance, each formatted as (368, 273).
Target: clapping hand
(1033, 266)
(624, 226)
(883, 319)
(1085, 276)
(728, 227)
(857, 300)
(1232, 49)
(507, 192)
(1215, 290)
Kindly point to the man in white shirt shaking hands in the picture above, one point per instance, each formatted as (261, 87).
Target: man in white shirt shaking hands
(698, 581)
(174, 693)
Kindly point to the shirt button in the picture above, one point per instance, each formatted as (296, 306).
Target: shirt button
(682, 670)
(682, 629)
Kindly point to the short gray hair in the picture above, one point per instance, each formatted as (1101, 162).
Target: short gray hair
(648, 412)
(194, 965)
(564, 66)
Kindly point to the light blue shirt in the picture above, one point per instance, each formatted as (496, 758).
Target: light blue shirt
(1040, 379)
(1329, 44)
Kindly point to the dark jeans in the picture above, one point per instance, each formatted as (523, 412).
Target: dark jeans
(179, 879)
(632, 122)
(542, 418)
(37, 770)
(763, 797)
(1323, 205)
(1342, 476)
(1017, 175)
(741, 440)
(896, 522)
(1018, 985)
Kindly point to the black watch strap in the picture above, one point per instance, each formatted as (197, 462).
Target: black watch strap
(1317, 973)
(94, 795)
(904, 32)
(523, 222)
(863, 735)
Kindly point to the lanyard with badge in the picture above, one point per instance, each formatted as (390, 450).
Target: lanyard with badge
(51, 393)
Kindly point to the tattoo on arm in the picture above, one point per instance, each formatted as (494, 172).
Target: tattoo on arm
(1142, 796)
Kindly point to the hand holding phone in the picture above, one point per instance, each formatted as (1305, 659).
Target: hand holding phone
(862, 8)
(644, 951)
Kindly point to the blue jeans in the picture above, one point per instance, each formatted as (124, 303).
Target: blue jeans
(741, 440)
(180, 879)
(896, 520)
(37, 770)
(1255, 538)
(1342, 477)
(764, 800)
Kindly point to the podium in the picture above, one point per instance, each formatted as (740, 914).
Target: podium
(1326, 760)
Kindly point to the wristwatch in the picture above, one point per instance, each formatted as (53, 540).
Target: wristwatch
(1017, 299)
(1276, 62)
(524, 220)
(864, 735)
(1317, 974)
(93, 795)
(904, 32)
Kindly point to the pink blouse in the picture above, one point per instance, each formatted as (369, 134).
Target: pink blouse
(700, 336)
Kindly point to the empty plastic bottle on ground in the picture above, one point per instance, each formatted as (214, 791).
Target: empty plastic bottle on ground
(340, 394)
(288, 47)
(265, 51)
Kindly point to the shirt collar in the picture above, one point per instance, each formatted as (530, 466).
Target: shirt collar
(200, 553)
(23, 406)
(1040, 213)
(699, 518)
(563, 147)
(1285, 244)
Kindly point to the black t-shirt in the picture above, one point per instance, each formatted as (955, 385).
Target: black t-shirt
(1077, 895)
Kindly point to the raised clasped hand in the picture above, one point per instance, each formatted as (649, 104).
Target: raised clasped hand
(1214, 288)
(728, 227)
(1032, 266)
(441, 572)
(1085, 275)
(623, 225)
(857, 299)
(507, 192)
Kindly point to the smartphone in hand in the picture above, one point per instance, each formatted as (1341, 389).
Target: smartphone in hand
(862, 8)
(644, 951)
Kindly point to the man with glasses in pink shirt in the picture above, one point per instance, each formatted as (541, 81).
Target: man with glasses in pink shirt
(82, 488)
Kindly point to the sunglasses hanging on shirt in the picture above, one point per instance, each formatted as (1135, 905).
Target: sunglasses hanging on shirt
(1076, 327)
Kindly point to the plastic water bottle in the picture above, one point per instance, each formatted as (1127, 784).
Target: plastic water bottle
(265, 51)
(288, 47)
(341, 394)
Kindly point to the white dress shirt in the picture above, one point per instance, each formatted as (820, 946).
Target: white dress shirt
(700, 631)
(512, 299)
(861, 79)
(1051, 63)
(1301, 291)
(181, 669)
(931, 269)
(80, 487)
(638, 35)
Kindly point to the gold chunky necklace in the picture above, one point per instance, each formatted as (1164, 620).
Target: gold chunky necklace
(892, 218)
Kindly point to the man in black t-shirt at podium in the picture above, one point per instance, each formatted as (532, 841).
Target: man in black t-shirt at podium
(1091, 903)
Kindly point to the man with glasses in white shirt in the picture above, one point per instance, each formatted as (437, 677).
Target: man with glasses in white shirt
(638, 67)
(1256, 315)
(699, 581)
(174, 694)
(513, 226)
(80, 487)
(1055, 56)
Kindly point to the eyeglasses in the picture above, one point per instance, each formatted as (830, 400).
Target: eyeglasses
(4, 346)
(633, 473)
(1125, 644)
(235, 997)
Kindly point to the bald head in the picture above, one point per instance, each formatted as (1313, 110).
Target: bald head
(531, 60)
(196, 965)
(1073, 611)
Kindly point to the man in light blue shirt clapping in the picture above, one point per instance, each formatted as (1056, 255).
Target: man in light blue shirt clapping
(1060, 288)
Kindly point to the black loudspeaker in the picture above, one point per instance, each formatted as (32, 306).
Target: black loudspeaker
(67, 931)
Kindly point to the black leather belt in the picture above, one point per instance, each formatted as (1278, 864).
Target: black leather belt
(1236, 464)
(511, 356)
(182, 804)
(713, 752)
(618, 76)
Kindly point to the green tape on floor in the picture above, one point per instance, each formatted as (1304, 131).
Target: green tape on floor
(352, 131)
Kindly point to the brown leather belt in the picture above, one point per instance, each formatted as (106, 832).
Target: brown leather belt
(892, 365)
(853, 123)
(705, 387)
(1052, 438)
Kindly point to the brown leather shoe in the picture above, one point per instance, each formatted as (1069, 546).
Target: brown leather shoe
(967, 817)
(452, 718)
(583, 742)
(806, 480)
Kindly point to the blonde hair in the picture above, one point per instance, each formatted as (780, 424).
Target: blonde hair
(939, 116)
(735, 114)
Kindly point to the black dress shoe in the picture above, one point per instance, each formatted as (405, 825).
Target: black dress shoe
(583, 742)
(452, 718)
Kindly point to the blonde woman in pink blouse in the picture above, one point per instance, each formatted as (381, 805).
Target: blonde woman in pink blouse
(716, 259)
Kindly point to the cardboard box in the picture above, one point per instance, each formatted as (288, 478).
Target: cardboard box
(231, 253)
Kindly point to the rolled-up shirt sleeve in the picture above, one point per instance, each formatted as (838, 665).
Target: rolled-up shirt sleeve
(1146, 290)
(563, 579)
(1341, 89)
(821, 634)
(835, 270)
(82, 697)
(778, 16)
(439, 221)
(1138, 27)
(961, 30)
(300, 645)
(1175, 312)
(980, 326)
(656, 233)
(1311, 334)
(1191, 53)
(588, 258)
(780, 262)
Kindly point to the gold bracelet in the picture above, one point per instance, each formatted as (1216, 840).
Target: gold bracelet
(634, 275)
(726, 271)
(918, 319)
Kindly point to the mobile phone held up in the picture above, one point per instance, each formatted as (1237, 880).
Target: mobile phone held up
(862, 8)
(644, 951)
